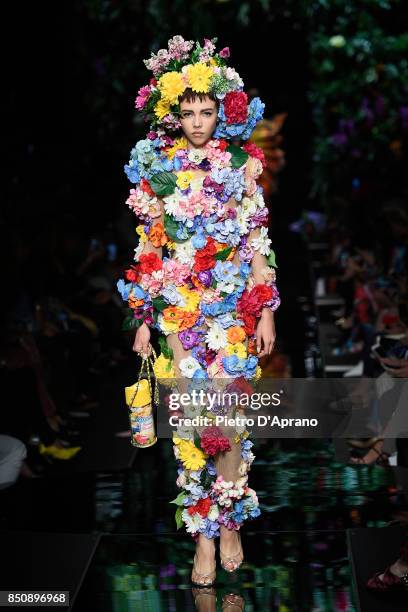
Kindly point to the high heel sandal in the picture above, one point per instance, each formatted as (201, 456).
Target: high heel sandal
(234, 559)
(209, 591)
(202, 577)
(382, 459)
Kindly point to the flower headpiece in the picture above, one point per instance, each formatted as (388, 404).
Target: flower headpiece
(185, 64)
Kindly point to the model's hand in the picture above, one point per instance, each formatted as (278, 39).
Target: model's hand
(142, 341)
(265, 333)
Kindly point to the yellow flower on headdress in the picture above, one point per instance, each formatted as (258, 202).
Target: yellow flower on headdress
(237, 349)
(199, 76)
(161, 109)
(171, 85)
(192, 457)
(141, 232)
(184, 179)
(179, 143)
(192, 298)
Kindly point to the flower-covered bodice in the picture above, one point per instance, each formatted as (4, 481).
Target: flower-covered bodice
(208, 212)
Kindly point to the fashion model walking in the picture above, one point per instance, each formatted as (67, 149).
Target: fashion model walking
(204, 275)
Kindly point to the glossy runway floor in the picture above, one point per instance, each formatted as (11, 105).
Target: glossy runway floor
(296, 551)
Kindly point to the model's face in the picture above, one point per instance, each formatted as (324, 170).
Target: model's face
(198, 120)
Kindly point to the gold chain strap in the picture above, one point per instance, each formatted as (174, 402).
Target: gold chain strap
(147, 363)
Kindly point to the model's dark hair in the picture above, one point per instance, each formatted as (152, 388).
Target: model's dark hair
(189, 96)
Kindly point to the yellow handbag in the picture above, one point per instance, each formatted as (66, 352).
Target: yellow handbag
(140, 406)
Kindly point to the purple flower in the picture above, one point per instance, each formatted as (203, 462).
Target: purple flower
(152, 135)
(205, 277)
(246, 253)
(189, 339)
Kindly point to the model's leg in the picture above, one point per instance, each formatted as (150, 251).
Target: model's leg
(204, 563)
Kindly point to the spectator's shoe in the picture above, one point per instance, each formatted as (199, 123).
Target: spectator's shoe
(388, 581)
(58, 453)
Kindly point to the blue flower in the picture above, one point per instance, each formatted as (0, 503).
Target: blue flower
(250, 366)
(218, 308)
(211, 529)
(225, 271)
(211, 469)
(241, 130)
(225, 320)
(132, 172)
(233, 364)
(244, 270)
(199, 240)
(124, 289)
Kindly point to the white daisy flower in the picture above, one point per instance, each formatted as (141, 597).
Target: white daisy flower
(188, 366)
(213, 513)
(263, 242)
(184, 252)
(196, 156)
(172, 204)
(193, 522)
(216, 337)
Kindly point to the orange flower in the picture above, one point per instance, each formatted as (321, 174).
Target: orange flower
(189, 320)
(235, 334)
(133, 303)
(173, 313)
(251, 347)
(157, 235)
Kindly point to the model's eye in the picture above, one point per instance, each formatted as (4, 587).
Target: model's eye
(185, 115)
(208, 113)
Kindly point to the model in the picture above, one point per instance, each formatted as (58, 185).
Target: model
(204, 274)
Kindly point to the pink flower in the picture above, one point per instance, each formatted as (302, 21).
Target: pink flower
(224, 53)
(175, 272)
(142, 97)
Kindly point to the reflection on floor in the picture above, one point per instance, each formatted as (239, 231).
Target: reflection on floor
(296, 552)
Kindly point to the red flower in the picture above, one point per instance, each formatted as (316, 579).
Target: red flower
(202, 507)
(213, 441)
(153, 82)
(132, 274)
(222, 144)
(210, 355)
(252, 302)
(204, 259)
(236, 107)
(145, 186)
(240, 386)
(149, 263)
(249, 323)
(255, 151)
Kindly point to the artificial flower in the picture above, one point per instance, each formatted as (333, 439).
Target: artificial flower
(171, 85)
(199, 76)
(192, 457)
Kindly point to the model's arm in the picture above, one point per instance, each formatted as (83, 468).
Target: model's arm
(147, 263)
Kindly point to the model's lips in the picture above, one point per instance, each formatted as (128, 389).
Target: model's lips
(198, 133)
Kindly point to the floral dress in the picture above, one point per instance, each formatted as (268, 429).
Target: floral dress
(203, 219)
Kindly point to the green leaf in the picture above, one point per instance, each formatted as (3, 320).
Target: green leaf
(197, 440)
(177, 516)
(222, 255)
(129, 323)
(271, 259)
(165, 349)
(171, 226)
(163, 183)
(179, 499)
(159, 303)
(238, 156)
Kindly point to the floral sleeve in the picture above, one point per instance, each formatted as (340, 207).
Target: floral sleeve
(138, 286)
(258, 241)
